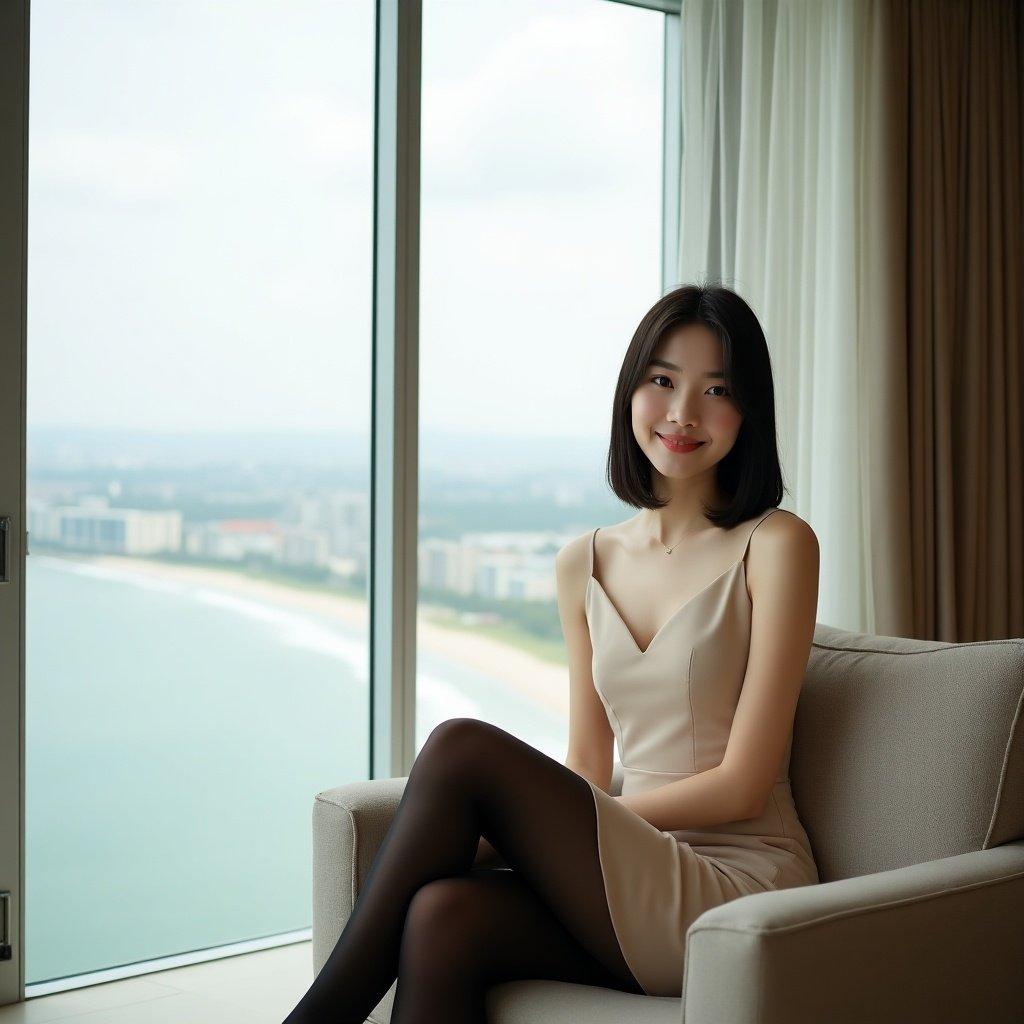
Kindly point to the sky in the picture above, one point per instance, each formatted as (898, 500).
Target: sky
(200, 212)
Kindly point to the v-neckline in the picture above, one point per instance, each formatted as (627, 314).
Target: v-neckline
(643, 652)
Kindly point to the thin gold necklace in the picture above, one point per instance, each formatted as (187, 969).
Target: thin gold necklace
(668, 551)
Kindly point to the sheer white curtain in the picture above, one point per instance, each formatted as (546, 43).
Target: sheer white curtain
(782, 129)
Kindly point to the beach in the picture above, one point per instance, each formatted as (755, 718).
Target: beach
(544, 684)
(182, 720)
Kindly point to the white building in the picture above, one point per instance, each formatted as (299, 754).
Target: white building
(233, 540)
(94, 526)
(503, 566)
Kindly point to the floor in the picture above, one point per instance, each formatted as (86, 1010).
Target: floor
(254, 988)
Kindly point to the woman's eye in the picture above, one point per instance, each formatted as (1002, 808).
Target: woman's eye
(662, 376)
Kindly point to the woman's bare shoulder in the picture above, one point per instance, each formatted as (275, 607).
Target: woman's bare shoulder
(574, 556)
(786, 525)
(784, 544)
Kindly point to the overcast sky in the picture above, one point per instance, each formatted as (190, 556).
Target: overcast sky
(200, 212)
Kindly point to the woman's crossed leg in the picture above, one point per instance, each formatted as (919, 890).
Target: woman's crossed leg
(447, 930)
(467, 933)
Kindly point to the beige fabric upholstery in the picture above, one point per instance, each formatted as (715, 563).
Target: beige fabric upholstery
(908, 772)
(940, 941)
(907, 750)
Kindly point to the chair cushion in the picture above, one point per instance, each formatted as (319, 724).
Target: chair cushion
(906, 750)
(561, 1002)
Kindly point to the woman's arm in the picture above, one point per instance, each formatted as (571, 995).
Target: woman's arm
(591, 740)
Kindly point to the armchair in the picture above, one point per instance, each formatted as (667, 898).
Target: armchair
(907, 769)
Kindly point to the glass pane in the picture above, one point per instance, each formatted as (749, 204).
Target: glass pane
(540, 252)
(200, 240)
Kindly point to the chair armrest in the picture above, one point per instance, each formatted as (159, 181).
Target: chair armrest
(349, 824)
(935, 942)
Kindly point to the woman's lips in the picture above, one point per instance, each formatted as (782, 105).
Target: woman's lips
(672, 446)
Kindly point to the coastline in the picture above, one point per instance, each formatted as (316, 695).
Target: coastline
(543, 684)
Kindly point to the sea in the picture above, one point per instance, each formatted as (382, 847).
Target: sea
(176, 737)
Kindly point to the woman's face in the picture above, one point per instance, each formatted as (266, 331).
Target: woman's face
(688, 397)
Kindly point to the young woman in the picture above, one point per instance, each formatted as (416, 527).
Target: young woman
(688, 628)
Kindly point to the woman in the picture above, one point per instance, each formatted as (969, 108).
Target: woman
(688, 628)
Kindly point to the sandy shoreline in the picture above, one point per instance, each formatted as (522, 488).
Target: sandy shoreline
(544, 684)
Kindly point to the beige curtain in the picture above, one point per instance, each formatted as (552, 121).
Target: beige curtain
(957, 101)
(853, 169)
(781, 148)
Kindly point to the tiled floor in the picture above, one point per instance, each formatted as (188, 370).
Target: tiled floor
(252, 988)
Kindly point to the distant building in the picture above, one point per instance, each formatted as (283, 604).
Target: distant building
(234, 540)
(303, 547)
(502, 566)
(343, 518)
(94, 526)
(446, 565)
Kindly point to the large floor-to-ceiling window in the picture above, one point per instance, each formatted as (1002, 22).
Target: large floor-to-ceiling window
(199, 315)
(540, 252)
(205, 340)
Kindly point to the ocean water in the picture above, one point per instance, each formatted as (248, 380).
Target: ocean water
(176, 737)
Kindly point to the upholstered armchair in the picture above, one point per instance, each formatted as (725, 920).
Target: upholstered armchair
(908, 773)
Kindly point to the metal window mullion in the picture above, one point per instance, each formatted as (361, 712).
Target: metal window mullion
(671, 152)
(394, 497)
(14, 87)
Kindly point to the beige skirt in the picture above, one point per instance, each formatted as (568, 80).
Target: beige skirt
(658, 883)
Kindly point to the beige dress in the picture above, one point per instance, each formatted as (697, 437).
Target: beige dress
(671, 708)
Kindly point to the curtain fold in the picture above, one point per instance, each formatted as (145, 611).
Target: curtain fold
(768, 207)
(961, 67)
(852, 168)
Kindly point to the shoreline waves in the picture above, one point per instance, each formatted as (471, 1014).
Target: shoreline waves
(545, 685)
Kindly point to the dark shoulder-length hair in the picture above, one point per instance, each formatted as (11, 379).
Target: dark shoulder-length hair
(750, 474)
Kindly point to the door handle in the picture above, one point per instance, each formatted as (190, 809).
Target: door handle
(5, 537)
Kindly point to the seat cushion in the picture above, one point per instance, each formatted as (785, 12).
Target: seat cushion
(560, 1002)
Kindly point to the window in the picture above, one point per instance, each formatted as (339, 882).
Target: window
(200, 309)
(199, 313)
(540, 250)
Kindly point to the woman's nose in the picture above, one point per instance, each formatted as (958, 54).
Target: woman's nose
(683, 407)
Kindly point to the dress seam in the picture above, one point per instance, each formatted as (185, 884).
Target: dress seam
(689, 698)
(611, 710)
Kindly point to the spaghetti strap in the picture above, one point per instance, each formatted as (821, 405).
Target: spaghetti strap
(743, 557)
(593, 537)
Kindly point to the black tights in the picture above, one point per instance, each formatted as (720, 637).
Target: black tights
(448, 930)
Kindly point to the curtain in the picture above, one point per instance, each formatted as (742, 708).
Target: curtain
(799, 182)
(959, 75)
